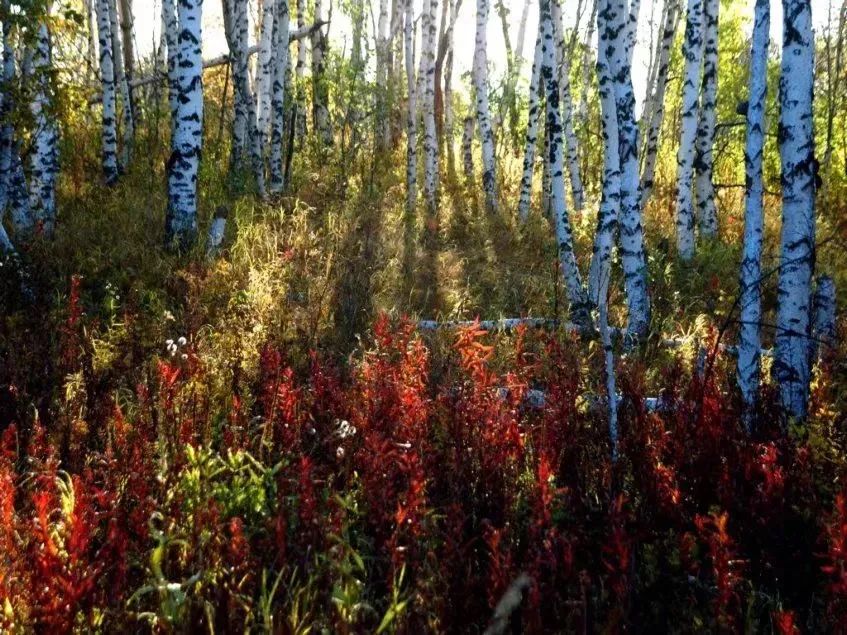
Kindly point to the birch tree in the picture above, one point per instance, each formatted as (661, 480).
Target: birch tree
(121, 83)
(430, 142)
(483, 115)
(264, 70)
(320, 89)
(655, 111)
(247, 125)
(411, 113)
(280, 70)
(607, 215)
(706, 210)
(749, 342)
(633, 257)
(797, 254)
(572, 145)
(44, 161)
(14, 194)
(187, 142)
(579, 305)
(107, 77)
(531, 132)
(692, 52)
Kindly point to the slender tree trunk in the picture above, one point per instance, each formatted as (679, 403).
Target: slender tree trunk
(600, 272)
(823, 310)
(411, 118)
(707, 212)
(632, 28)
(300, 72)
(320, 89)
(127, 31)
(122, 84)
(247, 125)
(13, 186)
(572, 148)
(170, 31)
(281, 31)
(467, 148)
(483, 115)
(264, 71)
(579, 305)
(633, 257)
(797, 256)
(656, 110)
(519, 43)
(586, 63)
(382, 48)
(430, 142)
(692, 51)
(107, 75)
(835, 96)
(44, 165)
(449, 117)
(749, 342)
(91, 51)
(531, 132)
(187, 144)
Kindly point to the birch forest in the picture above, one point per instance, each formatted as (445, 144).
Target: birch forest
(423, 316)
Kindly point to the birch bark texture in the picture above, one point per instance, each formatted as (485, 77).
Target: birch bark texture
(44, 161)
(411, 113)
(692, 52)
(633, 256)
(430, 142)
(749, 342)
(483, 114)
(706, 210)
(187, 142)
(797, 255)
(579, 306)
(655, 113)
(282, 28)
(533, 116)
(107, 77)
(600, 271)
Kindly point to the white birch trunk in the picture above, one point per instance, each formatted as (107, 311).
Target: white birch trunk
(579, 305)
(247, 125)
(692, 51)
(467, 148)
(706, 210)
(170, 34)
(533, 116)
(107, 76)
(519, 44)
(300, 72)
(656, 111)
(122, 84)
(320, 93)
(411, 113)
(749, 341)
(823, 307)
(572, 145)
(44, 161)
(264, 71)
(633, 257)
(381, 128)
(186, 146)
(632, 28)
(483, 115)
(797, 255)
(586, 63)
(281, 31)
(13, 187)
(607, 214)
(430, 141)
